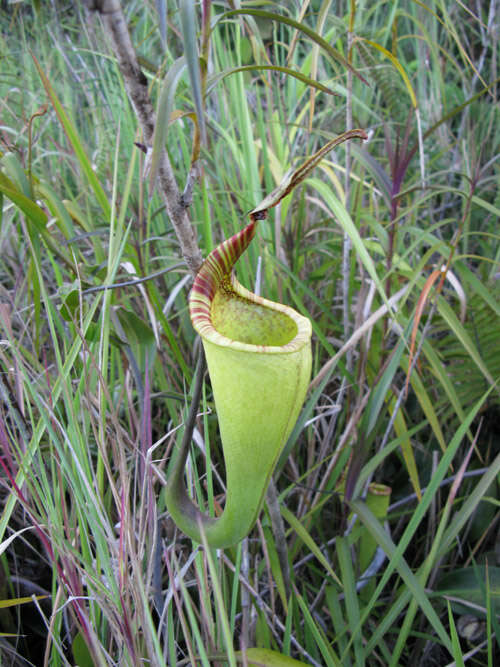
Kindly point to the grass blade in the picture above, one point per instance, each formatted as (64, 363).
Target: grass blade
(188, 27)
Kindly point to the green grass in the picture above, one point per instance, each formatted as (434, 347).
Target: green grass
(95, 383)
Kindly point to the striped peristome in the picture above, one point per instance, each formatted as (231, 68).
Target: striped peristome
(216, 273)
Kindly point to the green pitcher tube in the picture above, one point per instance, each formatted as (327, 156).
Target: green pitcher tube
(259, 359)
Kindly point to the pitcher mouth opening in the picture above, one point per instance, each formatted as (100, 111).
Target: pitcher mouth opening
(245, 321)
(225, 313)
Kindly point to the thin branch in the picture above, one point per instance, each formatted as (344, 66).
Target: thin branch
(134, 281)
(136, 86)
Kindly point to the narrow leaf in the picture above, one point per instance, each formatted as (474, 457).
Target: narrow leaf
(351, 597)
(402, 567)
(398, 66)
(161, 8)
(32, 211)
(344, 219)
(75, 142)
(17, 601)
(308, 541)
(264, 657)
(457, 649)
(396, 553)
(422, 300)
(272, 68)
(463, 336)
(329, 657)
(188, 28)
(302, 27)
(164, 111)
(5, 543)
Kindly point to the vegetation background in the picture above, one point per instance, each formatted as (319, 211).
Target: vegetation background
(386, 548)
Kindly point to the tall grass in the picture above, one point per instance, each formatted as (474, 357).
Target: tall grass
(389, 494)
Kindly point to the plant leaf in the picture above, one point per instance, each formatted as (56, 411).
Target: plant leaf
(308, 541)
(411, 581)
(468, 584)
(17, 601)
(398, 66)
(161, 8)
(302, 27)
(214, 80)
(188, 28)
(163, 114)
(75, 142)
(32, 211)
(265, 657)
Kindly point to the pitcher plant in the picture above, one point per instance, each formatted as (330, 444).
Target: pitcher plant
(258, 355)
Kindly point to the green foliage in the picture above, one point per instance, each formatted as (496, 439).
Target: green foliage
(97, 351)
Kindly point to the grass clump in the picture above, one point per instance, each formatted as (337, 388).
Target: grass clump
(390, 247)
